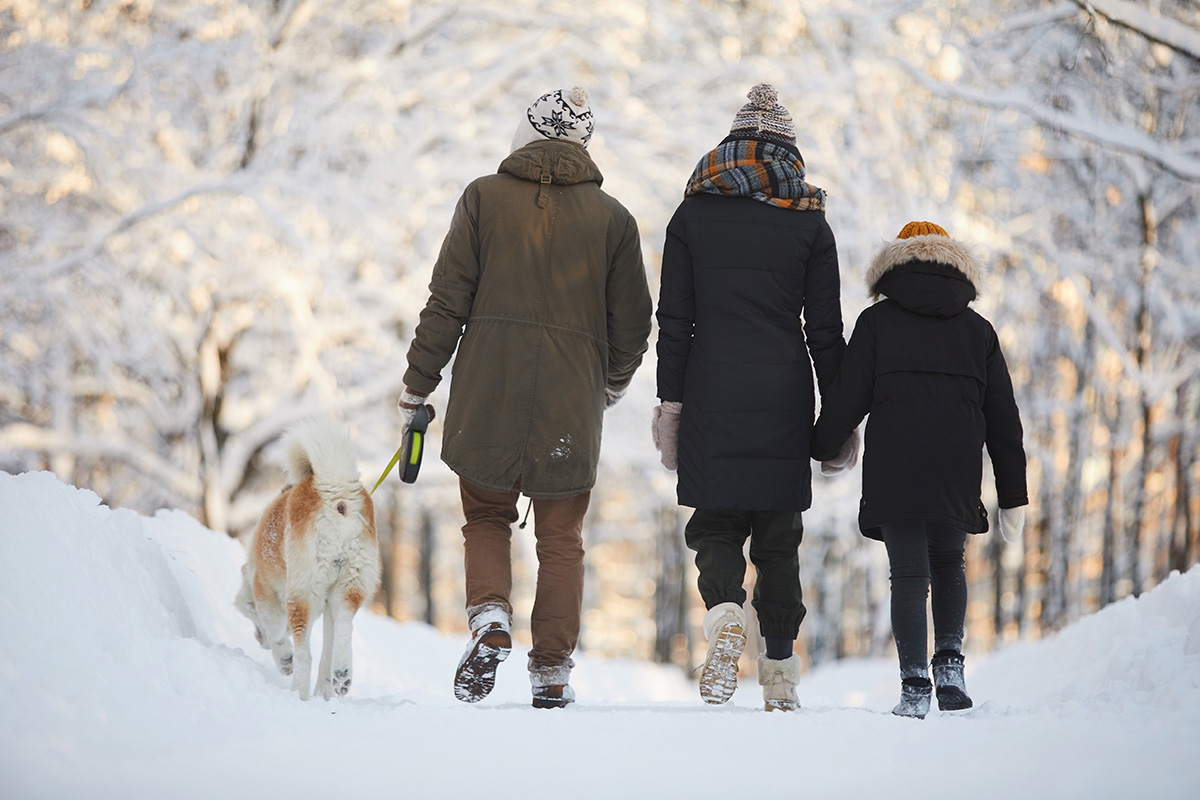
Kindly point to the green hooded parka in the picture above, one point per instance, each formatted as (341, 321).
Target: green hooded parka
(541, 277)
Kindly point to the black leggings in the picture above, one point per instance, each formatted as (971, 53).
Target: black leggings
(924, 555)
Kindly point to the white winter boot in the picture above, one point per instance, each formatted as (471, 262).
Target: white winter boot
(490, 644)
(725, 629)
(779, 679)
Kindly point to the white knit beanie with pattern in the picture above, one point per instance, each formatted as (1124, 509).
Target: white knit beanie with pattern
(561, 114)
(764, 117)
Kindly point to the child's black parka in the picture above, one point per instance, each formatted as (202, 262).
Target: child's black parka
(930, 373)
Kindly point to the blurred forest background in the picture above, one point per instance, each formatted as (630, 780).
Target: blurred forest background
(219, 217)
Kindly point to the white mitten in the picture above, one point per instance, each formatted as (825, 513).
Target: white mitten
(846, 458)
(1012, 523)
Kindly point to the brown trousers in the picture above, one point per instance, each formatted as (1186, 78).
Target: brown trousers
(558, 528)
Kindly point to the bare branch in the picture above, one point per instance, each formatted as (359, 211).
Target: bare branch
(64, 104)
(1154, 27)
(423, 29)
(148, 210)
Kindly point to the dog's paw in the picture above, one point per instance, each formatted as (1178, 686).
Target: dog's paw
(260, 636)
(341, 682)
(325, 689)
(285, 665)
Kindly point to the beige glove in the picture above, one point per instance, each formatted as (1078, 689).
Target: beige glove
(664, 427)
(846, 458)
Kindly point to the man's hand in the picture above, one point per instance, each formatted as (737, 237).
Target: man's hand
(611, 396)
(408, 403)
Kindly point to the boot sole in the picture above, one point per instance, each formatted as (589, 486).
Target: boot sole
(952, 699)
(718, 679)
(907, 714)
(545, 702)
(780, 705)
(476, 675)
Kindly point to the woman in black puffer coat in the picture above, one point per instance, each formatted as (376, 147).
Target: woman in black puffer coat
(749, 305)
(930, 373)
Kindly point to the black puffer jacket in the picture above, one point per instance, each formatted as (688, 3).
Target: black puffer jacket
(929, 371)
(737, 276)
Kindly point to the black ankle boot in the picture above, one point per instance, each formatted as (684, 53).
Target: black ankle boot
(914, 698)
(948, 676)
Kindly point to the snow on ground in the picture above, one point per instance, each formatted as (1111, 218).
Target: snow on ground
(125, 673)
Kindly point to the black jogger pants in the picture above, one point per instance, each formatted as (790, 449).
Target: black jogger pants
(718, 538)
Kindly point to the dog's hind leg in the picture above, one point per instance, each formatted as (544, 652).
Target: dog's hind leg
(244, 602)
(273, 620)
(343, 606)
(324, 683)
(300, 620)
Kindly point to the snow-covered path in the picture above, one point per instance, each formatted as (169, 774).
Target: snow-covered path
(126, 673)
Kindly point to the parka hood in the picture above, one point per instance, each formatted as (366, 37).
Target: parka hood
(564, 162)
(931, 275)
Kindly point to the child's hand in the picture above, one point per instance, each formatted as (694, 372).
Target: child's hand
(846, 458)
(1012, 523)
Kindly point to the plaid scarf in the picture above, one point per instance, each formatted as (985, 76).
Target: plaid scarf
(758, 169)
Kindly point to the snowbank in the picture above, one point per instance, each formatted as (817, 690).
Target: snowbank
(127, 673)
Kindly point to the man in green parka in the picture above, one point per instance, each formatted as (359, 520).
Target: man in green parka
(541, 278)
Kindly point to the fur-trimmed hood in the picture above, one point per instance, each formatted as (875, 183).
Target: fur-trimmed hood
(931, 275)
(930, 248)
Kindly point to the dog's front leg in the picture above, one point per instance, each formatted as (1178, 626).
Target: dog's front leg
(300, 619)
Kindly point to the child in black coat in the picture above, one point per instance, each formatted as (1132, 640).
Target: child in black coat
(930, 373)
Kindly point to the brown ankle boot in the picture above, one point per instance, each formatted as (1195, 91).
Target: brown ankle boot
(558, 696)
(490, 645)
(551, 684)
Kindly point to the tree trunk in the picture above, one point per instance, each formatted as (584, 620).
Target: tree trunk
(1079, 434)
(996, 556)
(1020, 583)
(1054, 541)
(822, 630)
(1184, 452)
(1113, 509)
(425, 569)
(388, 539)
(1133, 541)
(214, 374)
(671, 641)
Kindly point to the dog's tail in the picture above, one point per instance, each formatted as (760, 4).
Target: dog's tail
(320, 447)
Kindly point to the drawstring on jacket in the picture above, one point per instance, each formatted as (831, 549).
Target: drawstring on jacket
(527, 510)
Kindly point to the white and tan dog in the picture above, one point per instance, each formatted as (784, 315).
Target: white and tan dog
(314, 552)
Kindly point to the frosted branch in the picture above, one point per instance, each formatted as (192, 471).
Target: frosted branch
(24, 436)
(1154, 27)
(1172, 158)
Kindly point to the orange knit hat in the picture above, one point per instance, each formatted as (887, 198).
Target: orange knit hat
(921, 229)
